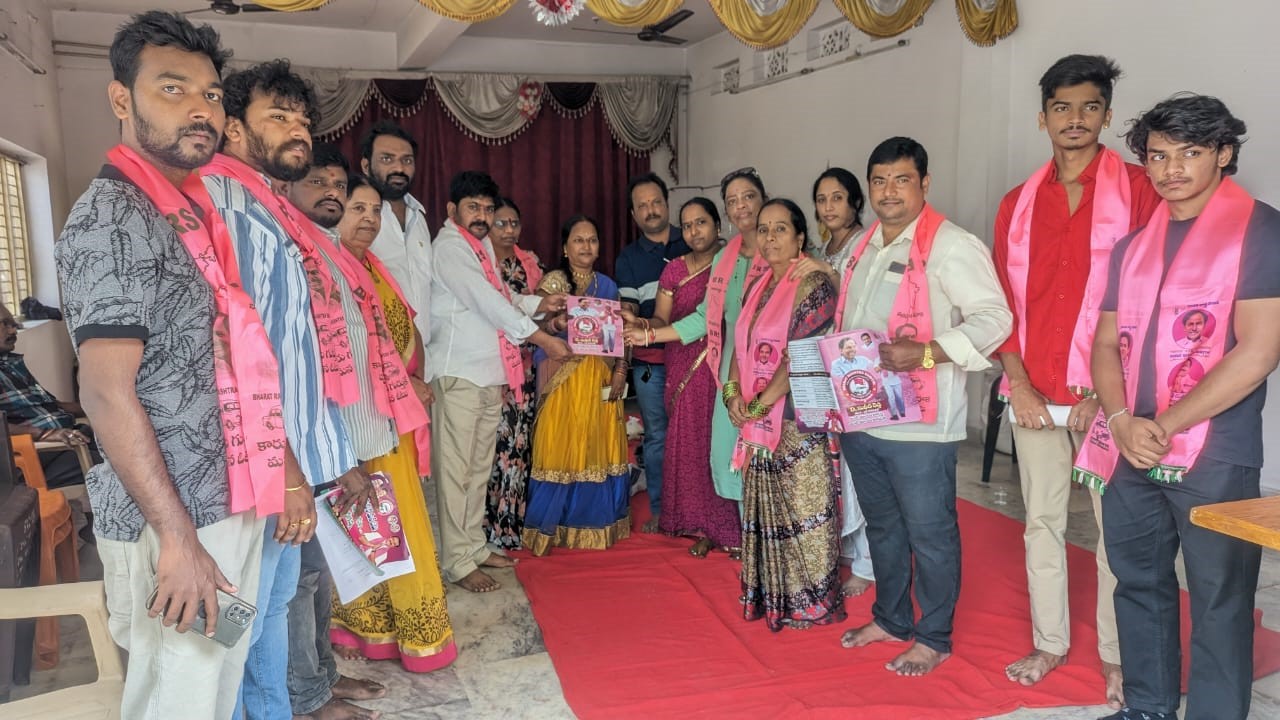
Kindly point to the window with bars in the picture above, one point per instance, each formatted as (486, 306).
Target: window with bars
(15, 266)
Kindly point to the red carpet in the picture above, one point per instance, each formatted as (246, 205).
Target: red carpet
(643, 630)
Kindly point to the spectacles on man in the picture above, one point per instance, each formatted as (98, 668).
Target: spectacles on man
(501, 224)
(739, 173)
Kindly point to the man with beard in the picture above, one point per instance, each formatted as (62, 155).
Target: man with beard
(388, 157)
(316, 689)
(270, 111)
(474, 349)
(141, 311)
(638, 268)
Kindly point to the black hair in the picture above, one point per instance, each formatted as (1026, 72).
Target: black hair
(1098, 70)
(325, 155)
(161, 29)
(645, 179)
(274, 79)
(1203, 315)
(385, 127)
(857, 200)
(506, 202)
(897, 148)
(798, 222)
(565, 230)
(1197, 119)
(472, 183)
(748, 174)
(703, 203)
(358, 181)
(846, 341)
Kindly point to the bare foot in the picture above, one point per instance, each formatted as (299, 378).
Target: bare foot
(865, 635)
(651, 526)
(1032, 668)
(348, 688)
(916, 661)
(337, 709)
(1115, 685)
(498, 561)
(701, 548)
(347, 653)
(477, 581)
(855, 586)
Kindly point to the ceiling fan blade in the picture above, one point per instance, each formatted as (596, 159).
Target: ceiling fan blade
(670, 40)
(606, 32)
(196, 12)
(671, 21)
(250, 7)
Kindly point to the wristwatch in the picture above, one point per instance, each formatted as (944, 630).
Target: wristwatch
(927, 363)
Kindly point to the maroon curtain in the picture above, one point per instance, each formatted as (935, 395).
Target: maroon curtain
(553, 169)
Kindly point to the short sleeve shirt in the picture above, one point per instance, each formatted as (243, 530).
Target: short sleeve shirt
(126, 274)
(1235, 434)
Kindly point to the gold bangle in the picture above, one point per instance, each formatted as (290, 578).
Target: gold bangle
(757, 409)
(296, 487)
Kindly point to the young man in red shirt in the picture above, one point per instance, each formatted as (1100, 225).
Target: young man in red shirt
(1053, 237)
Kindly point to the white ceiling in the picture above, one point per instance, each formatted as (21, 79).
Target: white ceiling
(518, 23)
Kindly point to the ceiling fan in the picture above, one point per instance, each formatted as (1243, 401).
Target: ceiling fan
(230, 7)
(656, 32)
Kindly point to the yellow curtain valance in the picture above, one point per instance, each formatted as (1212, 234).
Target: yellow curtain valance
(469, 11)
(637, 13)
(763, 32)
(985, 27)
(865, 17)
(291, 5)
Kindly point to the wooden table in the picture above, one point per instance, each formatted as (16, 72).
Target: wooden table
(1257, 520)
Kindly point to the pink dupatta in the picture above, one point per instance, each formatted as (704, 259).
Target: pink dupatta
(244, 364)
(755, 331)
(512, 362)
(717, 289)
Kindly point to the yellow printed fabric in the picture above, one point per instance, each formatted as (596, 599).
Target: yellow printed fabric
(985, 27)
(764, 32)
(636, 13)
(469, 11)
(866, 18)
(291, 5)
(579, 487)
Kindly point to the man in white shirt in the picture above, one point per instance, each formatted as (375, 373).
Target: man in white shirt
(905, 474)
(472, 317)
(388, 157)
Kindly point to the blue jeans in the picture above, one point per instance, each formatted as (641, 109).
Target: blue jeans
(1144, 522)
(312, 670)
(653, 409)
(264, 694)
(907, 491)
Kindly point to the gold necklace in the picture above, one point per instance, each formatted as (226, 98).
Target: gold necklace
(582, 281)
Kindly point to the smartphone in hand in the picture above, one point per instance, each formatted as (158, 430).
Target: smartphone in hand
(235, 616)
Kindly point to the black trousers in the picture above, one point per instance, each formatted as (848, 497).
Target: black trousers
(1144, 522)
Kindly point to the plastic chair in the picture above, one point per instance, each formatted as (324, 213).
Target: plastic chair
(58, 558)
(99, 700)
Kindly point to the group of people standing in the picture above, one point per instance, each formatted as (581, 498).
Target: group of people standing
(258, 325)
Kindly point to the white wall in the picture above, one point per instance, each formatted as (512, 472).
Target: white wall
(30, 128)
(975, 109)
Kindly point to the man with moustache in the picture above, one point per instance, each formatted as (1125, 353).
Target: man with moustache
(637, 271)
(316, 688)
(388, 158)
(477, 328)
(141, 310)
(270, 111)
(1053, 236)
(916, 270)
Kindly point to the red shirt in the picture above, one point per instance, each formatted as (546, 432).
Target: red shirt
(1059, 269)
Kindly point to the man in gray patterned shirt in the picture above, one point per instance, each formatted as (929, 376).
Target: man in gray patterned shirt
(141, 315)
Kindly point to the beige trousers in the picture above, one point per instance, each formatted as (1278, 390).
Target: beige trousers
(171, 674)
(464, 438)
(1044, 464)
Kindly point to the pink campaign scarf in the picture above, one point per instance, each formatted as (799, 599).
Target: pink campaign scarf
(1112, 217)
(532, 273)
(340, 383)
(717, 289)
(1203, 276)
(909, 308)
(770, 327)
(244, 364)
(512, 363)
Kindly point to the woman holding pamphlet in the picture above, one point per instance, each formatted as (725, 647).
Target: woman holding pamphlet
(579, 486)
(406, 617)
(791, 530)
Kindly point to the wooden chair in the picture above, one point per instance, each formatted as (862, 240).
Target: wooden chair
(99, 700)
(59, 561)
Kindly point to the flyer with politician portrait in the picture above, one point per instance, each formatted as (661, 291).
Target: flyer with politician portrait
(595, 326)
(837, 384)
